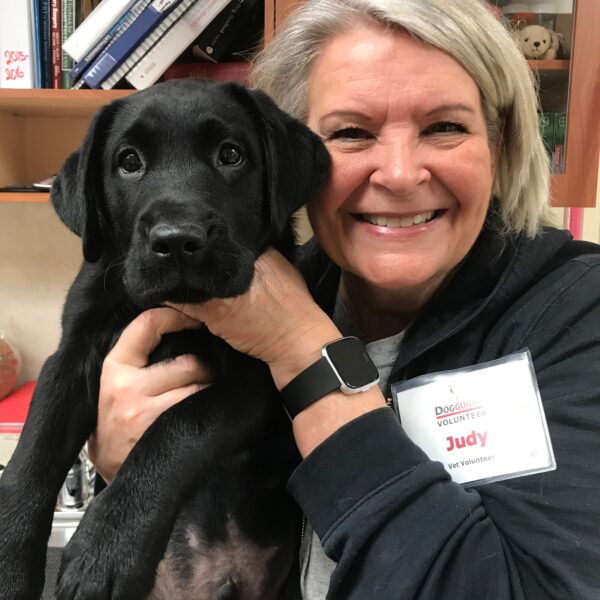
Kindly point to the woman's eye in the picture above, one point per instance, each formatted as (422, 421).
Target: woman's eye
(129, 161)
(350, 133)
(230, 155)
(445, 127)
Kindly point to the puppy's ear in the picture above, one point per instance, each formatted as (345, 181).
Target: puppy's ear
(297, 162)
(78, 190)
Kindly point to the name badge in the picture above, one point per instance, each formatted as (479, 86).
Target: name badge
(484, 423)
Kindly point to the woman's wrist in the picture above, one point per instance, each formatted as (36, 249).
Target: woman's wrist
(303, 350)
(322, 419)
(315, 424)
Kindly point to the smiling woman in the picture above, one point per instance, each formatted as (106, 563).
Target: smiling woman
(434, 246)
(412, 165)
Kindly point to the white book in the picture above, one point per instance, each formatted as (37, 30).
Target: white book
(174, 42)
(95, 26)
(17, 52)
(146, 44)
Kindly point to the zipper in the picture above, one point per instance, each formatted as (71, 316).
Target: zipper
(303, 528)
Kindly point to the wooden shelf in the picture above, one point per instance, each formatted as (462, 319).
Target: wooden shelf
(549, 65)
(24, 197)
(56, 103)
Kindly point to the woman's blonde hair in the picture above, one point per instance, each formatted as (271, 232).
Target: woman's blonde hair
(466, 30)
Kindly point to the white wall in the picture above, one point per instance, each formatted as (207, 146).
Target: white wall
(39, 258)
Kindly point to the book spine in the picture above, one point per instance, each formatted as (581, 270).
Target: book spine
(213, 42)
(45, 43)
(55, 36)
(229, 71)
(67, 28)
(117, 52)
(146, 44)
(17, 57)
(37, 46)
(174, 42)
(100, 20)
(81, 66)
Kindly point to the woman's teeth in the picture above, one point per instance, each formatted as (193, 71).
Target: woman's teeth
(397, 222)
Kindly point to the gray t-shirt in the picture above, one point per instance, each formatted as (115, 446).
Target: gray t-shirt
(315, 566)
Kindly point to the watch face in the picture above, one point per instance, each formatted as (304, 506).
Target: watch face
(354, 366)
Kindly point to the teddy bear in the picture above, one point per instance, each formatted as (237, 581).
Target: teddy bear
(537, 42)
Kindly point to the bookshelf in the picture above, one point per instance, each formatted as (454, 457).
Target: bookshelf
(40, 128)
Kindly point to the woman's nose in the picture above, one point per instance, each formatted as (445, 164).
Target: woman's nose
(398, 167)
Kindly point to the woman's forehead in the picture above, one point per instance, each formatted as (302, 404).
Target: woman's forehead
(369, 65)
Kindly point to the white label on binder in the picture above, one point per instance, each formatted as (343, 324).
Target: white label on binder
(483, 423)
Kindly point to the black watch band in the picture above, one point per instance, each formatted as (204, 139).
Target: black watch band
(345, 365)
(307, 387)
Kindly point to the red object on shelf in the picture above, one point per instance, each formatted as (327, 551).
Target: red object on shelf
(14, 408)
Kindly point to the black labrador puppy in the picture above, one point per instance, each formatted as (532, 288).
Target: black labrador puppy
(175, 191)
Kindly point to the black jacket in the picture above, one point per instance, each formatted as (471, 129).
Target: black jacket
(398, 527)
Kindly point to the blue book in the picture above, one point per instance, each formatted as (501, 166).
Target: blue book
(37, 48)
(43, 33)
(82, 65)
(115, 53)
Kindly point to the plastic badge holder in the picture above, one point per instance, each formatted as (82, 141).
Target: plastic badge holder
(484, 423)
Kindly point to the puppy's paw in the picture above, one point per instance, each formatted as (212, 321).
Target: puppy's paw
(108, 557)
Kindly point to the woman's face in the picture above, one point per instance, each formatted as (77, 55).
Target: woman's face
(412, 169)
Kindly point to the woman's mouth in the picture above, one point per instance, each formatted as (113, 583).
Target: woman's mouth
(399, 222)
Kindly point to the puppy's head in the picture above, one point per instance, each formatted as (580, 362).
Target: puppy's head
(185, 184)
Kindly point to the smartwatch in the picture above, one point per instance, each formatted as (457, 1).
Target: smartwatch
(345, 366)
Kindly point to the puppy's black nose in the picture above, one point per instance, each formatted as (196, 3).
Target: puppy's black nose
(536, 44)
(185, 241)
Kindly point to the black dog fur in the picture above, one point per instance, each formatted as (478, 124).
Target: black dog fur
(175, 191)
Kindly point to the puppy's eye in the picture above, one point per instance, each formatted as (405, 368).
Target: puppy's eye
(129, 161)
(526, 39)
(230, 155)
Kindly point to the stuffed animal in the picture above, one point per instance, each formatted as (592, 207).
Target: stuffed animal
(537, 42)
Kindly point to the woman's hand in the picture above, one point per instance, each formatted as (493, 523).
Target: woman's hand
(132, 395)
(276, 320)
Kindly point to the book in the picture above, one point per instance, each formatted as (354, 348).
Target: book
(174, 42)
(146, 44)
(17, 52)
(45, 43)
(226, 71)
(67, 22)
(116, 52)
(100, 20)
(55, 44)
(214, 42)
(547, 131)
(37, 47)
(560, 130)
(81, 66)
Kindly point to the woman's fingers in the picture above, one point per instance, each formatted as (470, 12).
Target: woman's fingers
(168, 399)
(132, 396)
(181, 372)
(144, 333)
